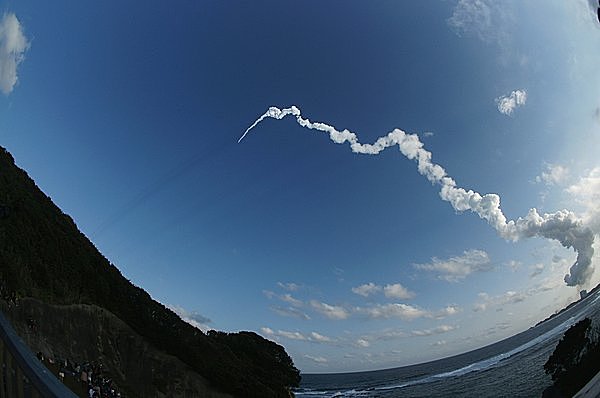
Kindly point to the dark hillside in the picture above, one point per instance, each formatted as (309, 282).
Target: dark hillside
(44, 256)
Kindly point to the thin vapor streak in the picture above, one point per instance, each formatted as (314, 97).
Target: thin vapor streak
(563, 226)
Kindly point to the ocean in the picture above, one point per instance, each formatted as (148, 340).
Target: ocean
(513, 367)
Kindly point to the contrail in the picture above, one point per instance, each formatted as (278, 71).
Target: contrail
(563, 226)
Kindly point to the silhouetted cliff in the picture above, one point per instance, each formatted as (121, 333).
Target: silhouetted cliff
(44, 256)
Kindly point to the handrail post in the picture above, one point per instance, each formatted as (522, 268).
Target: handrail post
(20, 378)
(10, 375)
(2, 369)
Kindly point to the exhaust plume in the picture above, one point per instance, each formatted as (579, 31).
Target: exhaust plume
(563, 226)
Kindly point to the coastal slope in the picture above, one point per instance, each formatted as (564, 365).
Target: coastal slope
(43, 256)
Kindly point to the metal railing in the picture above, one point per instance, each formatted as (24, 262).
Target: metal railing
(22, 375)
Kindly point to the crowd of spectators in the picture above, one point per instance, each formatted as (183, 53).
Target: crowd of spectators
(92, 376)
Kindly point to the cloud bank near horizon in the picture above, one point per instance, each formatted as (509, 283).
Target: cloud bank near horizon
(563, 226)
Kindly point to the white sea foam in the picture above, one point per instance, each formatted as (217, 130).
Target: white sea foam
(495, 361)
(489, 362)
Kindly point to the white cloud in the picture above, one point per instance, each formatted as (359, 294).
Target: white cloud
(13, 45)
(292, 287)
(553, 175)
(291, 335)
(192, 317)
(316, 359)
(362, 343)
(482, 304)
(393, 310)
(508, 103)
(314, 336)
(587, 192)
(397, 291)
(513, 297)
(390, 334)
(330, 311)
(472, 16)
(288, 298)
(366, 289)
(267, 331)
(537, 270)
(290, 312)
(545, 285)
(484, 19)
(513, 265)
(437, 330)
(447, 311)
(459, 267)
(510, 297)
(394, 291)
(439, 343)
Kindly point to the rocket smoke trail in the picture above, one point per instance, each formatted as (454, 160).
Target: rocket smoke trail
(563, 225)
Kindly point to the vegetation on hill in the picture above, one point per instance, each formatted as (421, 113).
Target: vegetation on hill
(43, 255)
(576, 358)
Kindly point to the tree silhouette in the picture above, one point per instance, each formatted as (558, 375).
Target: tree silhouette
(576, 358)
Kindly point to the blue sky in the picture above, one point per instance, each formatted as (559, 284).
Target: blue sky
(128, 117)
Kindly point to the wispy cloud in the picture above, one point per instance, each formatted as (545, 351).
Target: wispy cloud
(393, 291)
(393, 310)
(513, 265)
(192, 317)
(437, 330)
(330, 311)
(537, 269)
(508, 103)
(292, 307)
(553, 174)
(13, 45)
(587, 192)
(456, 268)
(447, 311)
(388, 334)
(292, 335)
(286, 298)
(366, 289)
(485, 19)
(312, 337)
(291, 286)
(317, 359)
(511, 297)
(290, 312)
